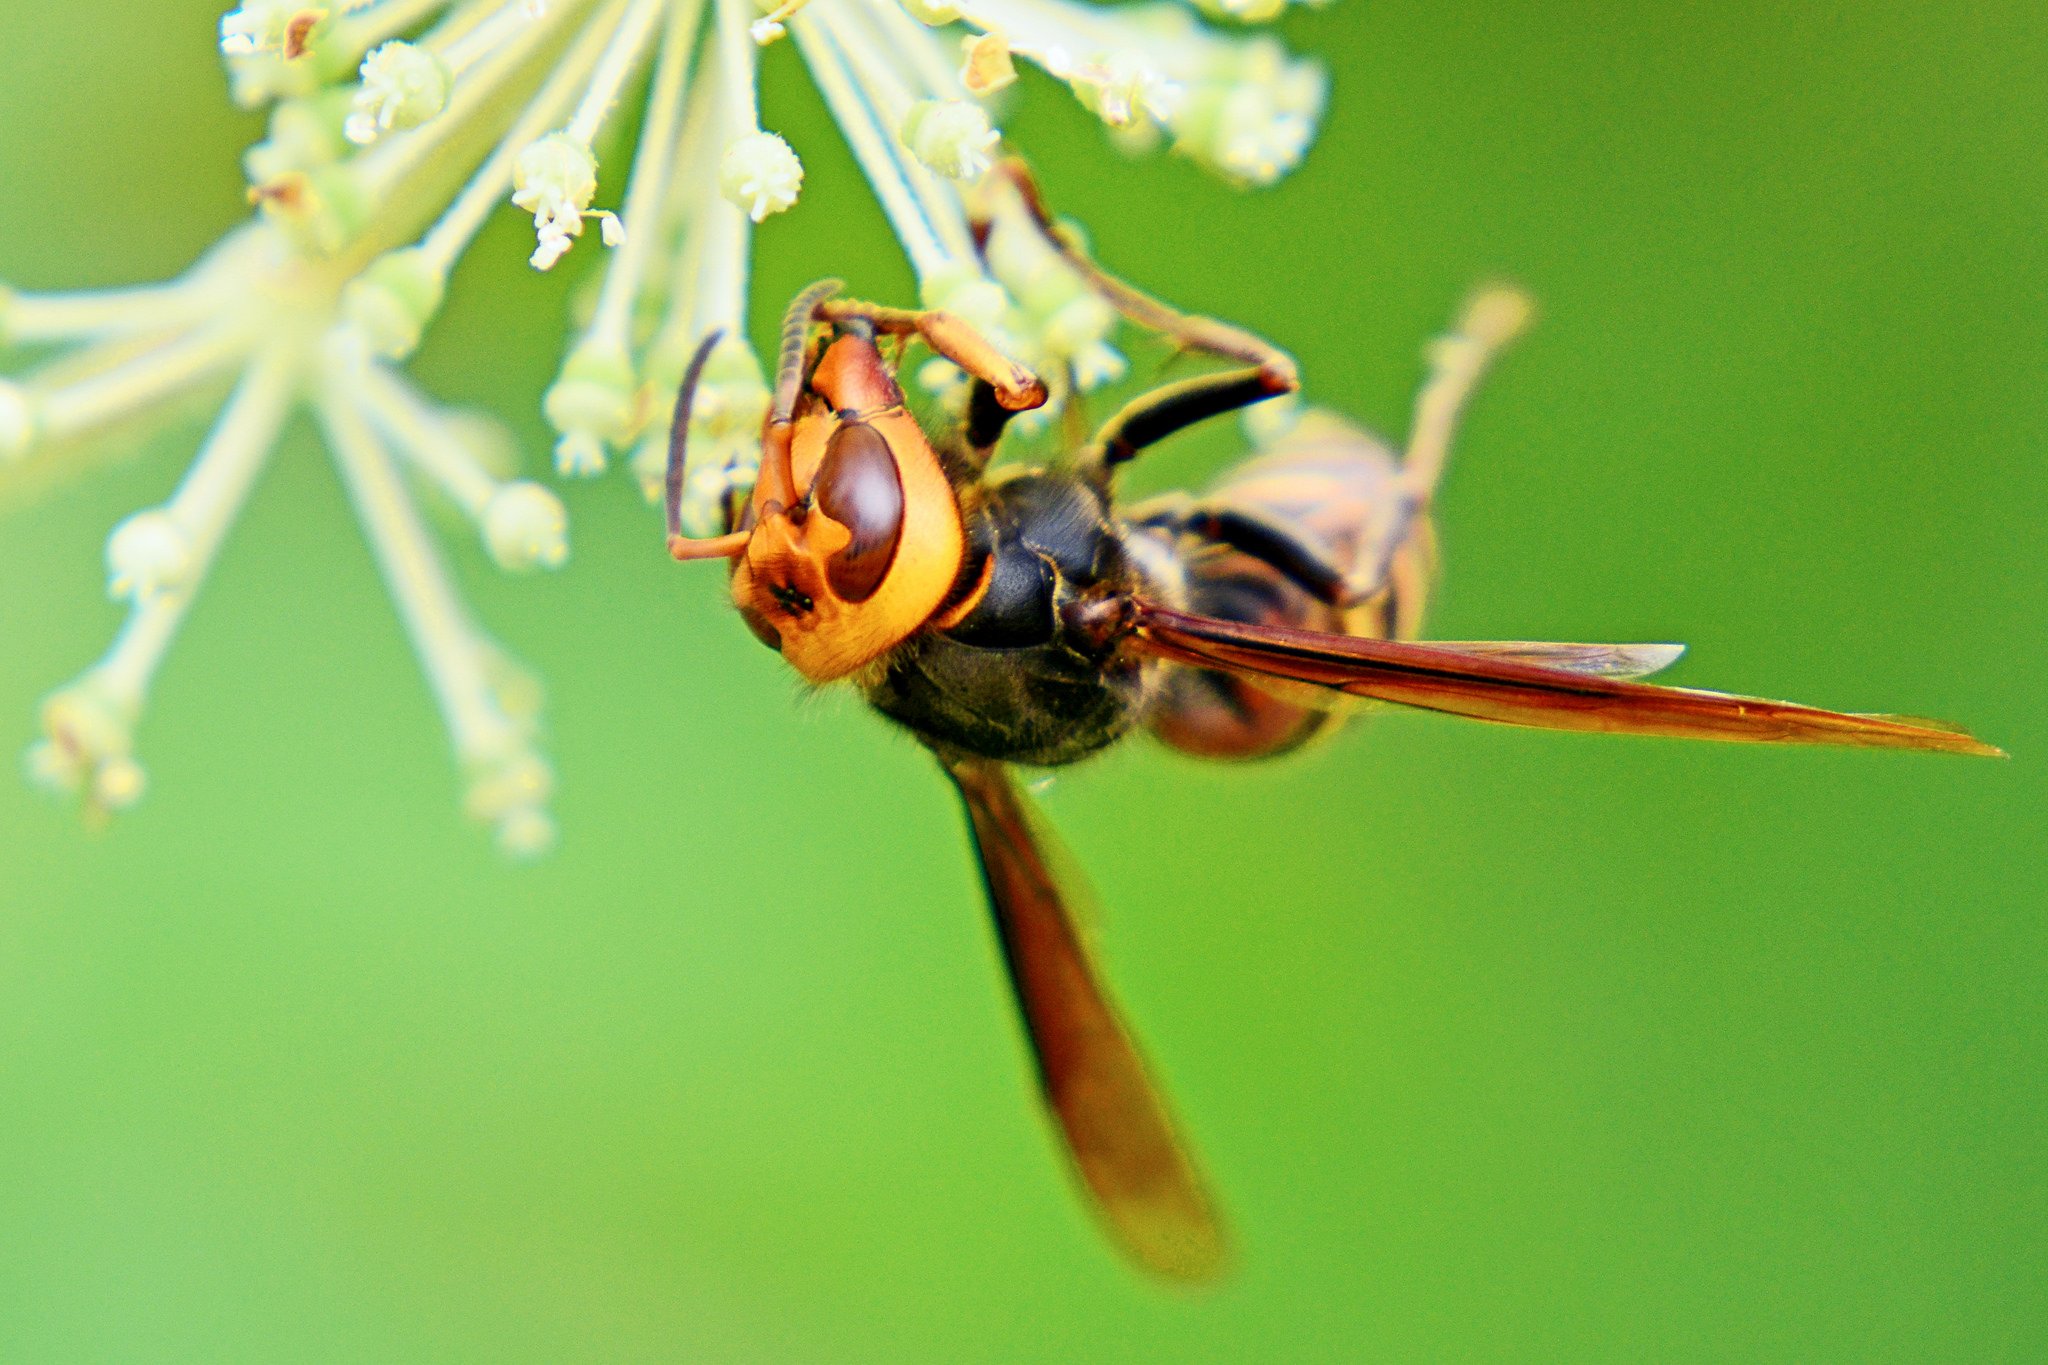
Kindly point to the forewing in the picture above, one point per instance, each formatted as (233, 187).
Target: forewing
(1493, 683)
(1598, 661)
(1118, 1130)
(1594, 661)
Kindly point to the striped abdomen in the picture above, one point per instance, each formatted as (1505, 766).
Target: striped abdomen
(1319, 531)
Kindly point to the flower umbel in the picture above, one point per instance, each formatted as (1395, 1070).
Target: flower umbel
(398, 126)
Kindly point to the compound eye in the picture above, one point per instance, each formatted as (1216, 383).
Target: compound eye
(857, 486)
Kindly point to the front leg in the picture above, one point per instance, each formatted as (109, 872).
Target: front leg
(1015, 387)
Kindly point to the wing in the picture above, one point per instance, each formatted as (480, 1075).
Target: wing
(1499, 683)
(1118, 1130)
(1596, 661)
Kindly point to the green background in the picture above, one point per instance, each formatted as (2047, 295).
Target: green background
(1498, 1045)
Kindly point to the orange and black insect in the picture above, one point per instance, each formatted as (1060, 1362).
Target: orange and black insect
(1020, 615)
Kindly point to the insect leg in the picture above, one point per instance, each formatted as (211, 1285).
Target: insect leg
(1015, 387)
(987, 419)
(1189, 331)
(1275, 546)
(1152, 417)
(1491, 319)
(1401, 548)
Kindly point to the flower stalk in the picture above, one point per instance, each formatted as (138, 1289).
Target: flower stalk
(398, 126)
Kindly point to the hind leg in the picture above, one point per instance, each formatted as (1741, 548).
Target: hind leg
(1492, 318)
(1398, 564)
(1395, 556)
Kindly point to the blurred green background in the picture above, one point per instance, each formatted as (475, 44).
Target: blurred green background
(1498, 1045)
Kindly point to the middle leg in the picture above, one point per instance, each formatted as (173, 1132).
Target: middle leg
(1152, 417)
(1189, 331)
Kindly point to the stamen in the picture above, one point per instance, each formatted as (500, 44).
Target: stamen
(759, 171)
(863, 132)
(395, 299)
(137, 382)
(168, 550)
(555, 177)
(509, 782)
(89, 724)
(524, 525)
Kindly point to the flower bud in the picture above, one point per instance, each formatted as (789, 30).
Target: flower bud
(148, 554)
(525, 526)
(403, 86)
(761, 174)
(554, 179)
(393, 301)
(953, 137)
(594, 403)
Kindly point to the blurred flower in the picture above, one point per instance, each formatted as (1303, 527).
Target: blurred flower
(398, 126)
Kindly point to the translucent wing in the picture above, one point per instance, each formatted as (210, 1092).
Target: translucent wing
(1595, 661)
(1117, 1128)
(1499, 683)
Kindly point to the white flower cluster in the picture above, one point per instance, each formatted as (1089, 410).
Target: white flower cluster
(396, 128)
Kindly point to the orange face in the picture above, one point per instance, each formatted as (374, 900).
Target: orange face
(871, 543)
